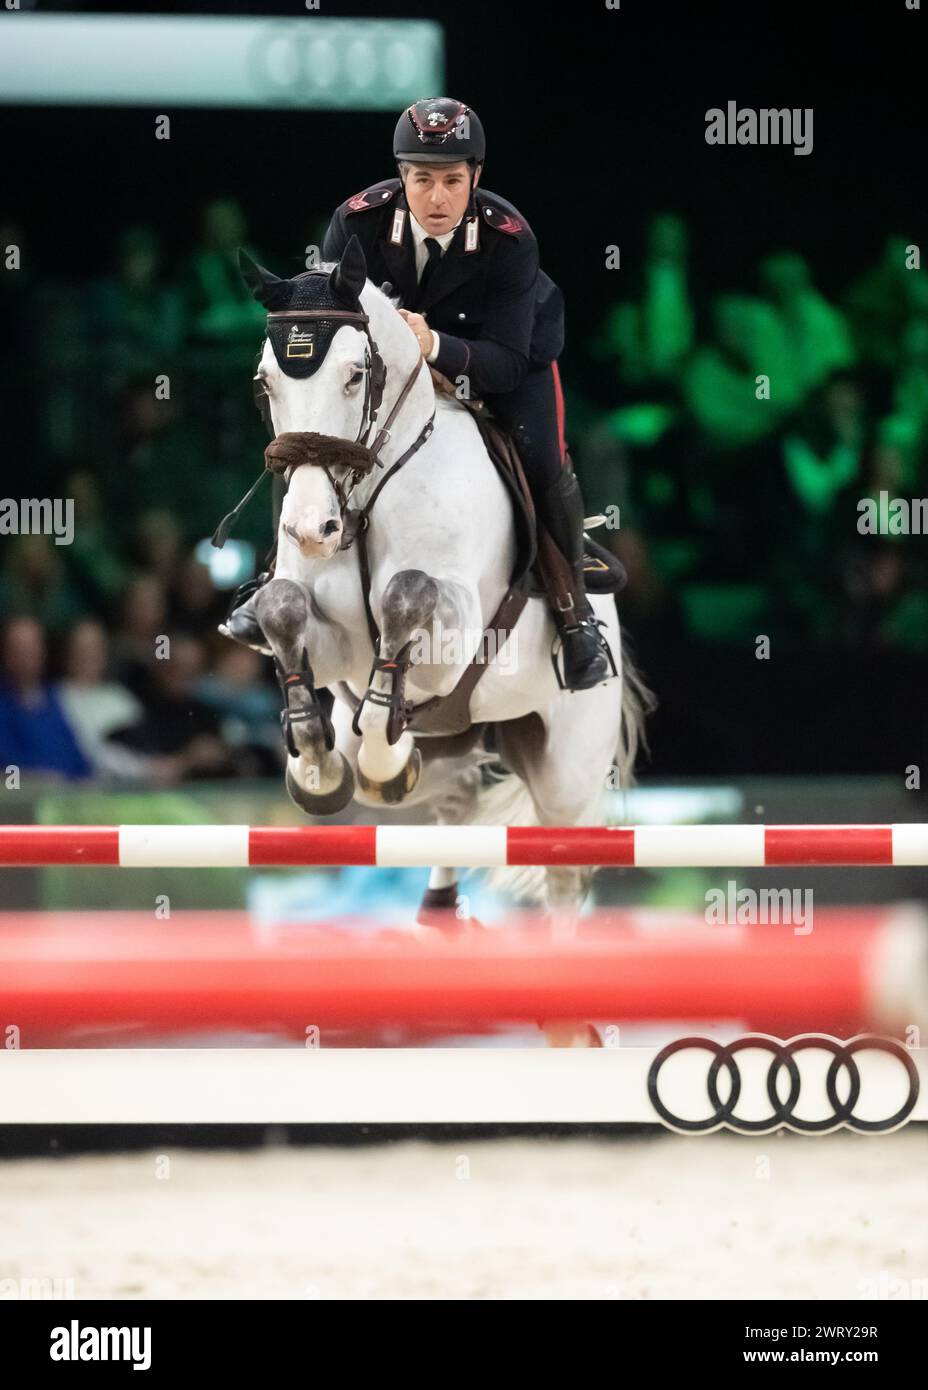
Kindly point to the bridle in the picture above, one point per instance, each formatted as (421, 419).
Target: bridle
(327, 451)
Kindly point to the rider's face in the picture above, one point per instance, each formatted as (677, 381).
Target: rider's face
(437, 194)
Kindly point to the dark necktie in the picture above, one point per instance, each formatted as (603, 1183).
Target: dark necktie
(428, 270)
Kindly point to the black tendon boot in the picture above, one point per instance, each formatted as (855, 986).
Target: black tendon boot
(587, 658)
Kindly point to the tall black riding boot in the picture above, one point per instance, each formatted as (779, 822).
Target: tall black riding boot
(241, 623)
(587, 658)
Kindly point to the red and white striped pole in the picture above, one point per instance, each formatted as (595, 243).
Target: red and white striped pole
(647, 846)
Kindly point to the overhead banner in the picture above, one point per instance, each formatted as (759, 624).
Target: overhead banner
(311, 63)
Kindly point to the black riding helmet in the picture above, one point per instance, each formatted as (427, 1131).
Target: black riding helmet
(439, 130)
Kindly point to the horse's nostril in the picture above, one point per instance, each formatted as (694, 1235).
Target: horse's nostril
(330, 527)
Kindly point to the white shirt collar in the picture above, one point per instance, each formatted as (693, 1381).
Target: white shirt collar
(420, 234)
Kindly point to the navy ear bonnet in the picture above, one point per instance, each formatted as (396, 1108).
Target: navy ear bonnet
(300, 346)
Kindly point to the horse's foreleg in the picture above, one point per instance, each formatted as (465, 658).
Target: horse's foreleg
(319, 778)
(416, 608)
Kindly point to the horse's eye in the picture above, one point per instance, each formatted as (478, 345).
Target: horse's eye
(357, 376)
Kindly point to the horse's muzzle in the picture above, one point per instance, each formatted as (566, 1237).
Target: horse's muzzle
(316, 541)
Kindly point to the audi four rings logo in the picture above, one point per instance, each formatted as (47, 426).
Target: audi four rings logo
(835, 1107)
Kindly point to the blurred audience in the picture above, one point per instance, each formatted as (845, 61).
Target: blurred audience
(136, 315)
(142, 621)
(177, 726)
(249, 708)
(741, 451)
(219, 306)
(35, 581)
(94, 559)
(94, 705)
(733, 428)
(35, 735)
(817, 335)
(195, 605)
(156, 543)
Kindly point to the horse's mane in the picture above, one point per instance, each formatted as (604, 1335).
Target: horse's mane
(444, 391)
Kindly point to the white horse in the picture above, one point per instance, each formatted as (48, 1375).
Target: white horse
(442, 550)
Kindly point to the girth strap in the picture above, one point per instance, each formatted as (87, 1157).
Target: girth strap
(450, 714)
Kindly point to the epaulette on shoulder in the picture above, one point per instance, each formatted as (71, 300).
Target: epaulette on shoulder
(377, 196)
(503, 219)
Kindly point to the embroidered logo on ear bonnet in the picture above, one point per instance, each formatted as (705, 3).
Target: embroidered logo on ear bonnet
(301, 342)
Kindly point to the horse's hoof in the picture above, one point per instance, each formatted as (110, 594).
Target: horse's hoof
(564, 1033)
(323, 803)
(440, 909)
(396, 788)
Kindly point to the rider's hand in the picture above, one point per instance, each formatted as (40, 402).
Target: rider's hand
(421, 329)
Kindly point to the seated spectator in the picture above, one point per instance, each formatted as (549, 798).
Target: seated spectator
(910, 394)
(133, 315)
(824, 450)
(92, 558)
(35, 735)
(249, 707)
(176, 724)
(34, 582)
(156, 543)
(220, 307)
(720, 379)
(94, 706)
(880, 303)
(651, 337)
(886, 598)
(818, 336)
(196, 605)
(142, 620)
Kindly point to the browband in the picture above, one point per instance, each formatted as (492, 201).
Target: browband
(349, 315)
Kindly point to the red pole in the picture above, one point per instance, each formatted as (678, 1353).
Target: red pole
(188, 978)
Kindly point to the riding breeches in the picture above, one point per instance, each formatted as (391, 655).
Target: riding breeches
(534, 415)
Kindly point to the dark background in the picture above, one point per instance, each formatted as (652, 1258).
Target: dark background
(595, 121)
(594, 117)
